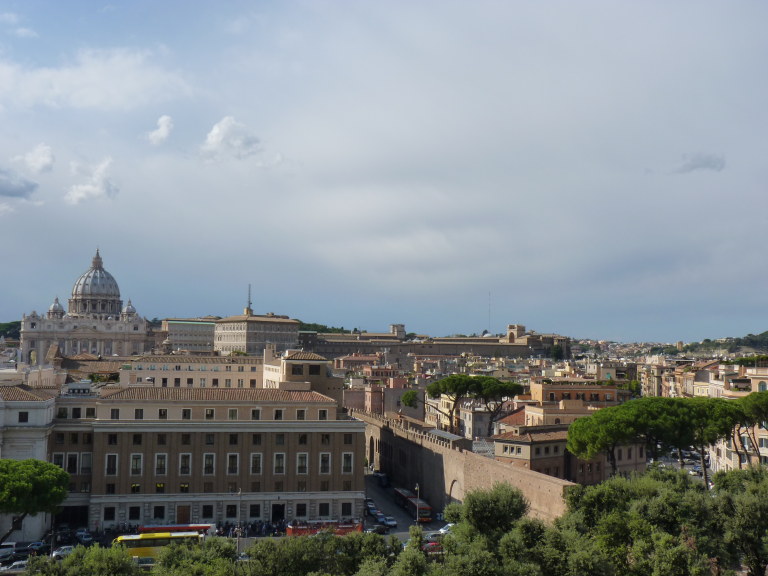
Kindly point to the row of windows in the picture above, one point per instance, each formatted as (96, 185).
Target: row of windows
(192, 368)
(232, 464)
(208, 414)
(203, 382)
(301, 510)
(208, 487)
(209, 438)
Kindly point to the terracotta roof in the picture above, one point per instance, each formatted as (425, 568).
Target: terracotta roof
(532, 436)
(25, 394)
(301, 355)
(254, 395)
(515, 418)
(190, 359)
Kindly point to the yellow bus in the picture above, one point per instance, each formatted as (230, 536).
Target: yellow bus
(145, 548)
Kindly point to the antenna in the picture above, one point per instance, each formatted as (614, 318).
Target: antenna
(489, 311)
(249, 295)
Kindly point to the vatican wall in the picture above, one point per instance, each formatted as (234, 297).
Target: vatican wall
(446, 473)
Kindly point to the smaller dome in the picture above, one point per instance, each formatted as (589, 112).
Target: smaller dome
(56, 306)
(129, 309)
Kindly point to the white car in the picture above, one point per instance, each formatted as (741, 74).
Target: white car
(61, 552)
(18, 565)
(447, 528)
(390, 522)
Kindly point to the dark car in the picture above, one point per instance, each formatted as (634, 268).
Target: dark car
(378, 529)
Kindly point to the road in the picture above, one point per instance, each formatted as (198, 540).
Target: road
(385, 502)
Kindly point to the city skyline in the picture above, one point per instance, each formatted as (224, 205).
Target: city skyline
(589, 170)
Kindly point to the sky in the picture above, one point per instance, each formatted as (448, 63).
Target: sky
(595, 169)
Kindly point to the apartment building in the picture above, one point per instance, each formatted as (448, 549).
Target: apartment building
(192, 371)
(250, 333)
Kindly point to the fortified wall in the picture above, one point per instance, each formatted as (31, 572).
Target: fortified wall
(445, 472)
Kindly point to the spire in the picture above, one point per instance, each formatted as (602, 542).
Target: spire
(97, 262)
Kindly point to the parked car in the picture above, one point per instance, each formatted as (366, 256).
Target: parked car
(380, 518)
(390, 522)
(61, 552)
(447, 528)
(18, 565)
(378, 529)
(432, 547)
(6, 550)
(38, 547)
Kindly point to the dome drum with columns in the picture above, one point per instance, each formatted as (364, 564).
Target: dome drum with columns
(96, 322)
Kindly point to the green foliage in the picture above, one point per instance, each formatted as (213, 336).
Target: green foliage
(31, 486)
(215, 557)
(88, 561)
(494, 512)
(11, 330)
(321, 328)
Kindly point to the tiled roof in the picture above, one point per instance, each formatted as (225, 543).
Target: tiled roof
(533, 436)
(301, 355)
(255, 395)
(24, 394)
(515, 418)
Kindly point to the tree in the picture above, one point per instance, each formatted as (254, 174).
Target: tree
(494, 512)
(754, 411)
(30, 486)
(492, 393)
(603, 431)
(455, 388)
(89, 561)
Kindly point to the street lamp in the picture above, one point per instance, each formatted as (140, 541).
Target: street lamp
(417, 503)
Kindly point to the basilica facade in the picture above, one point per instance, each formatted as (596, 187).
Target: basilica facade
(95, 322)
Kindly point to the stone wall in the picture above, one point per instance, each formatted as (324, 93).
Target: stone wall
(445, 473)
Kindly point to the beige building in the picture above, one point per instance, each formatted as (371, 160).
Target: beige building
(299, 370)
(250, 334)
(95, 322)
(190, 335)
(192, 371)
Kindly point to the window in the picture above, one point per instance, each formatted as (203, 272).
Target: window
(186, 439)
(61, 413)
(314, 370)
(185, 463)
(323, 414)
(301, 486)
(184, 488)
(158, 512)
(346, 463)
(207, 510)
(209, 462)
(59, 438)
(161, 461)
(232, 413)
(160, 488)
(109, 513)
(256, 463)
(23, 417)
(297, 370)
(72, 463)
(302, 439)
(134, 513)
(87, 438)
(110, 488)
(138, 414)
(279, 464)
(86, 462)
(114, 414)
(255, 414)
(137, 439)
(324, 509)
(346, 509)
(234, 439)
(302, 463)
(280, 439)
(232, 463)
(112, 439)
(279, 414)
(136, 467)
(254, 511)
(209, 413)
(325, 486)
(186, 414)
(325, 439)
(162, 414)
(300, 414)
(111, 465)
(210, 439)
(325, 462)
(256, 439)
(135, 488)
(227, 382)
(231, 511)
(346, 485)
(90, 412)
(161, 439)
(58, 459)
(73, 437)
(347, 439)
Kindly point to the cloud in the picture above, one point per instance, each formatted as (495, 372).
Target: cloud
(25, 33)
(230, 138)
(9, 18)
(13, 186)
(5, 208)
(114, 79)
(39, 160)
(99, 184)
(701, 161)
(164, 128)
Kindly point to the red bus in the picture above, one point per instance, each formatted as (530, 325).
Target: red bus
(402, 496)
(296, 528)
(205, 529)
(413, 505)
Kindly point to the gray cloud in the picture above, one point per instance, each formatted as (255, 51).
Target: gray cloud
(38, 160)
(701, 161)
(230, 138)
(14, 186)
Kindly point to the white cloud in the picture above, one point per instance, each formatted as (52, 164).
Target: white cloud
(230, 138)
(14, 186)
(164, 128)
(25, 33)
(5, 208)
(116, 79)
(701, 161)
(99, 184)
(9, 18)
(39, 160)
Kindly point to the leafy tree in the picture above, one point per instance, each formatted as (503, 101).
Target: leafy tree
(88, 561)
(754, 411)
(492, 392)
(600, 432)
(494, 512)
(30, 486)
(215, 557)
